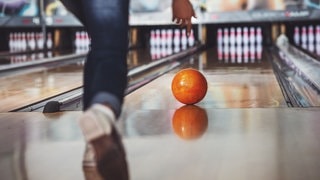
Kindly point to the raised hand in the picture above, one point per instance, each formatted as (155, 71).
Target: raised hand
(182, 12)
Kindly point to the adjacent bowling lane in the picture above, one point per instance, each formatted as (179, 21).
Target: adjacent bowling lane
(22, 88)
(37, 84)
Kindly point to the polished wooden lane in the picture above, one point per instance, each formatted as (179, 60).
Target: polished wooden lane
(246, 143)
(269, 143)
(39, 146)
(233, 85)
(25, 88)
(241, 130)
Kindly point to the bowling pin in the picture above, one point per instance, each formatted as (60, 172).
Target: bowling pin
(32, 41)
(152, 40)
(40, 40)
(49, 41)
(259, 35)
(169, 50)
(77, 40)
(184, 41)
(169, 38)
(296, 35)
(252, 35)
(219, 37)
(163, 51)
(259, 51)
(246, 53)
(23, 42)
(191, 39)
(11, 42)
(176, 40)
(226, 51)
(153, 52)
(158, 37)
(245, 36)
(226, 36)
(318, 34)
(220, 52)
(252, 52)
(310, 35)
(163, 37)
(232, 51)
(232, 36)
(239, 54)
(311, 47)
(304, 37)
(318, 49)
(239, 36)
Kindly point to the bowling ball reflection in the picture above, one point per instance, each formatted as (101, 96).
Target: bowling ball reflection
(190, 122)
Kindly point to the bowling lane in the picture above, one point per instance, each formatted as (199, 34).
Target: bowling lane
(30, 57)
(231, 84)
(242, 126)
(166, 140)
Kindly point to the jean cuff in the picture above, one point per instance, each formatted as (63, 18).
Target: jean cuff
(108, 99)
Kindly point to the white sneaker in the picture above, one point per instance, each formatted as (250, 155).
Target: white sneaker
(96, 122)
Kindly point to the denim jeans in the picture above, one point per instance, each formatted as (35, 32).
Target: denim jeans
(105, 71)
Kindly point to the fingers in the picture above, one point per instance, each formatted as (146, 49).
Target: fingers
(183, 23)
(189, 29)
(194, 14)
(178, 21)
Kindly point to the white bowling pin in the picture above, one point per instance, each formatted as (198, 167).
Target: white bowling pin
(232, 36)
(318, 34)
(163, 37)
(49, 41)
(252, 35)
(259, 35)
(226, 51)
(191, 39)
(296, 35)
(233, 52)
(158, 38)
(226, 36)
(310, 35)
(152, 40)
(184, 40)
(252, 51)
(169, 38)
(239, 36)
(219, 37)
(246, 52)
(220, 52)
(239, 54)
(176, 40)
(304, 36)
(245, 36)
(259, 51)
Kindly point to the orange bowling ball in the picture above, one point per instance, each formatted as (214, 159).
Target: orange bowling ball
(190, 122)
(189, 86)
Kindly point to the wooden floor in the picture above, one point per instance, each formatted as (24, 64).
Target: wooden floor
(246, 143)
(241, 130)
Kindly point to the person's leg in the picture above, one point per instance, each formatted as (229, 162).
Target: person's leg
(105, 81)
(105, 77)
(105, 72)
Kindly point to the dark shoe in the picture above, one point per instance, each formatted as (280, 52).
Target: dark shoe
(97, 125)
